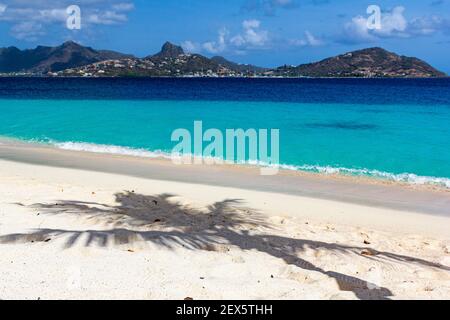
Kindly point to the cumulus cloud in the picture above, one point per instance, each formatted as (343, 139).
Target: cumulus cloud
(106, 17)
(308, 41)
(357, 31)
(30, 20)
(28, 30)
(219, 45)
(394, 24)
(190, 46)
(251, 36)
(429, 25)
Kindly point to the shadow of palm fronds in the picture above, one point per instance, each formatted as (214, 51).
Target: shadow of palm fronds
(141, 211)
(164, 222)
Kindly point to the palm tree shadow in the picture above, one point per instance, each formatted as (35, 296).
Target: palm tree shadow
(164, 222)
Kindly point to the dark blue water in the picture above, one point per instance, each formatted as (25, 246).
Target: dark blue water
(337, 91)
(384, 128)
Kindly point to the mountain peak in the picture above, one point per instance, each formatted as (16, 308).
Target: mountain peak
(169, 50)
(374, 49)
(70, 43)
(371, 62)
(44, 59)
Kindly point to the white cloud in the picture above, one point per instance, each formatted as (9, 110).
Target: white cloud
(251, 24)
(190, 46)
(219, 45)
(309, 41)
(46, 14)
(55, 15)
(357, 31)
(312, 41)
(106, 18)
(252, 35)
(28, 30)
(429, 25)
(394, 24)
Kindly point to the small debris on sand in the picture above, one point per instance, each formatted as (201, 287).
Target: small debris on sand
(368, 252)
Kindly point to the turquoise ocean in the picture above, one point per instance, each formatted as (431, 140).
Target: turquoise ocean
(386, 129)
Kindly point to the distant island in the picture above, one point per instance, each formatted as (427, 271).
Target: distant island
(74, 60)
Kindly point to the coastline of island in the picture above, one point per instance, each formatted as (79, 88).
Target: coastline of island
(172, 61)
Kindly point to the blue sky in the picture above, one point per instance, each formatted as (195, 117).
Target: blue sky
(262, 32)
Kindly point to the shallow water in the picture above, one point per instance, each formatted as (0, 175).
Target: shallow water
(389, 129)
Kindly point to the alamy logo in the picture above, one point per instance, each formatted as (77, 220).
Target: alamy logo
(233, 146)
(73, 21)
(374, 20)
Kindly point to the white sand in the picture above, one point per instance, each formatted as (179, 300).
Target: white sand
(73, 234)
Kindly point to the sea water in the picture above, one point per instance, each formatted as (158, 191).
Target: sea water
(382, 128)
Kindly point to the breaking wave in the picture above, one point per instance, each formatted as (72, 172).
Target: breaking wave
(408, 178)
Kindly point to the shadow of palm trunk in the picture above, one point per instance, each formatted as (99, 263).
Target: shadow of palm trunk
(167, 223)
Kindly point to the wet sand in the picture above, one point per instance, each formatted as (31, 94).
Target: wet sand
(421, 199)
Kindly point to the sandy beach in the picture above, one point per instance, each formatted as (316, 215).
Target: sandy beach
(93, 226)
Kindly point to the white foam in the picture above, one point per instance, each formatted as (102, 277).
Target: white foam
(409, 178)
(110, 149)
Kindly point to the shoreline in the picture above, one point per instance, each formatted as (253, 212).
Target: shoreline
(312, 171)
(92, 226)
(336, 187)
(212, 77)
